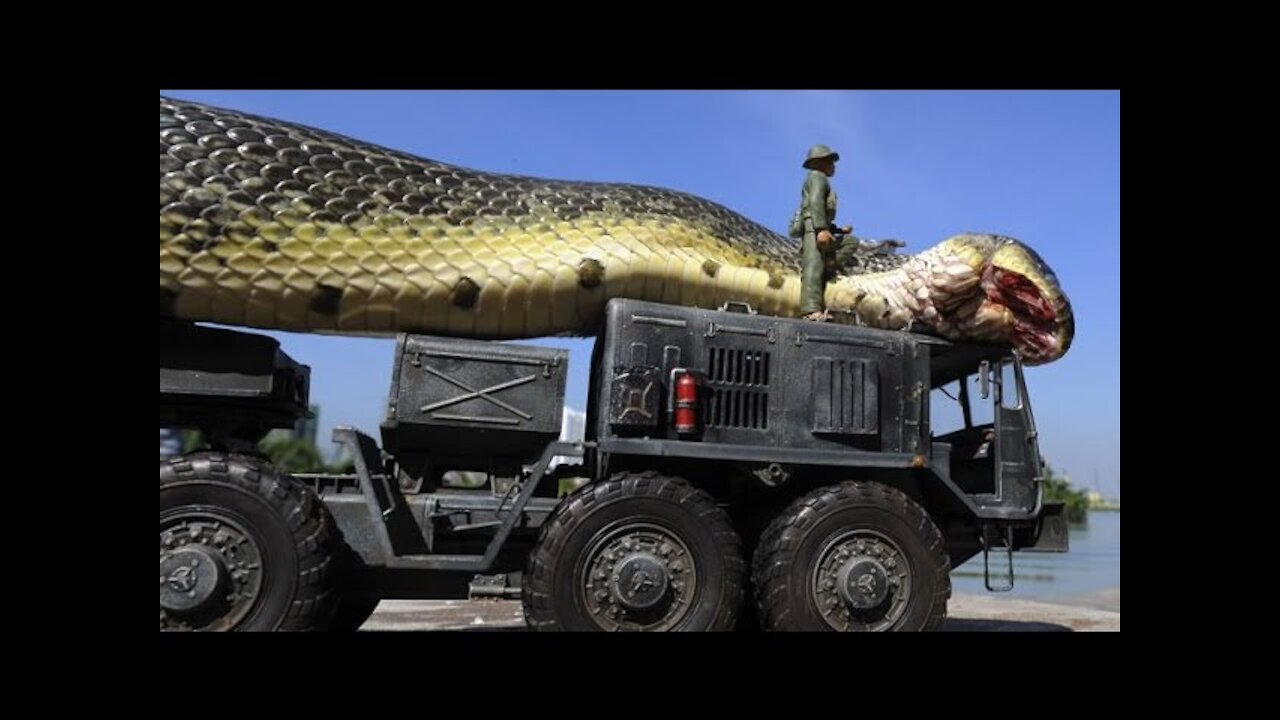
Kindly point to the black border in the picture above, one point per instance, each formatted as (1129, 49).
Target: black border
(675, 56)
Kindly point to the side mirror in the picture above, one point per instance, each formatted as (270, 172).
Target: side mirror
(984, 380)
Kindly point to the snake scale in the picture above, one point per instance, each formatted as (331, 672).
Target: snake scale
(273, 225)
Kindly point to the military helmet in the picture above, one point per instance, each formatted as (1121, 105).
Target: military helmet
(817, 152)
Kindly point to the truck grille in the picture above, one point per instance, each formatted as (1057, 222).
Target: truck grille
(738, 381)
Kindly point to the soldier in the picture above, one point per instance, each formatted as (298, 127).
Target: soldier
(815, 223)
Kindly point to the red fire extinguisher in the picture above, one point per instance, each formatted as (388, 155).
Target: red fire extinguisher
(686, 404)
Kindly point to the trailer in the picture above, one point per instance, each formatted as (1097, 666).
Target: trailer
(737, 470)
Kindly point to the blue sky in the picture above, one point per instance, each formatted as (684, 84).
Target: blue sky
(1043, 167)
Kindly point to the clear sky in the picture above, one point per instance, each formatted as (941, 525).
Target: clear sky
(1043, 167)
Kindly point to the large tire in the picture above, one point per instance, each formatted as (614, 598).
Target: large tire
(242, 547)
(660, 556)
(852, 557)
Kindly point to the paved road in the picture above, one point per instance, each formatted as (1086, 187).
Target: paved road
(966, 613)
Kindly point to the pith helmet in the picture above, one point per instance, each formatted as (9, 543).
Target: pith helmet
(817, 152)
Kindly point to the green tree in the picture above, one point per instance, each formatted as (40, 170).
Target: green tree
(192, 440)
(1058, 489)
(344, 466)
(293, 455)
(289, 454)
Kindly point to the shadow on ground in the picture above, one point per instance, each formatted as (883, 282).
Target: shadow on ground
(975, 625)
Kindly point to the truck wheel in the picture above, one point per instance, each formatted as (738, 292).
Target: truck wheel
(639, 552)
(242, 547)
(853, 557)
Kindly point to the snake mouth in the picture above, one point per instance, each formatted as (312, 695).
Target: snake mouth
(1040, 324)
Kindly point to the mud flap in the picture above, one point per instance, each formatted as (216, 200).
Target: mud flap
(1048, 535)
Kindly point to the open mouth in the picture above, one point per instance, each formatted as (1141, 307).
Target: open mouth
(1041, 329)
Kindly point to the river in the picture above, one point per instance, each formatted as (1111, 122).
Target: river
(1090, 567)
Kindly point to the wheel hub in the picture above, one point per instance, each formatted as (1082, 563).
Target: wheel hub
(211, 570)
(639, 581)
(863, 582)
(189, 579)
(637, 576)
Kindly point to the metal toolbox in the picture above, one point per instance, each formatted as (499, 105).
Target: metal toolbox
(461, 397)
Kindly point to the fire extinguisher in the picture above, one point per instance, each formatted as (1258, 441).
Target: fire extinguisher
(685, 391)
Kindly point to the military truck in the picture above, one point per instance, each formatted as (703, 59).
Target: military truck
(737, 471)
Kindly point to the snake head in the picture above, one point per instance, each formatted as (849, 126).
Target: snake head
(969, 288)
(1024, 300)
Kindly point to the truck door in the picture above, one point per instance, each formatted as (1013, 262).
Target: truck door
(1017, 448)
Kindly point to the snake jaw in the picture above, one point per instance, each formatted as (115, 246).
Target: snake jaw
(1039, 321)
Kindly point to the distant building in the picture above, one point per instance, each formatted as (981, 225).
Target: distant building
(573, 425)
(1098, 502)
(573, 428)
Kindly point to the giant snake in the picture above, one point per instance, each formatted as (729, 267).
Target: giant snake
(273, 225)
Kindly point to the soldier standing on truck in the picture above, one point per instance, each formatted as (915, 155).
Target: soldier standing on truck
(814, 222)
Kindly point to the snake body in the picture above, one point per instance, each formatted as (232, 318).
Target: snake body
(269, 224)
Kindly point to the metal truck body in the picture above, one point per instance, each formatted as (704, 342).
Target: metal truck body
(761, 418)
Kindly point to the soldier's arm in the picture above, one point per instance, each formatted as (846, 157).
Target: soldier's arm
(816, 188)
(847, 251)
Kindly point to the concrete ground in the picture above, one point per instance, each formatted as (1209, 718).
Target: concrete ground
(965, 613)
(1101, 600)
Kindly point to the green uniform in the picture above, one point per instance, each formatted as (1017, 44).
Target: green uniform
(817, 212)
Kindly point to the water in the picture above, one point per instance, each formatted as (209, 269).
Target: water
(1092, 564)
